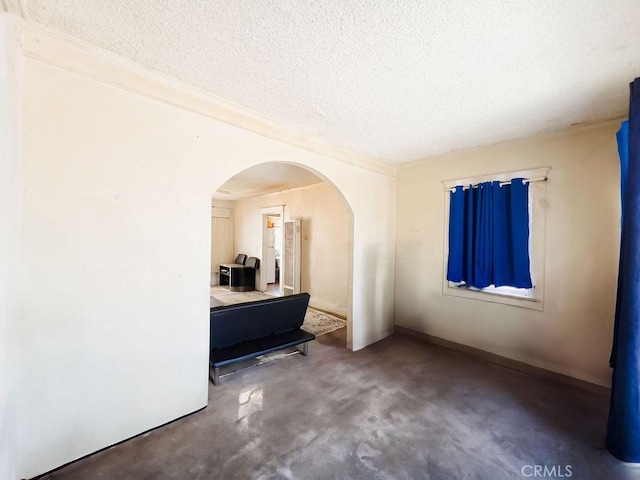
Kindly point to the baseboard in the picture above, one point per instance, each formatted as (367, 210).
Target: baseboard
(50, 472)
(504, 361)
(327, 310)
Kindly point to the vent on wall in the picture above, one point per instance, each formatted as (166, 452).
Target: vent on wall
(221, 212)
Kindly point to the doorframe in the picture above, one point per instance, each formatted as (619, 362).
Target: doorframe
(266, 212)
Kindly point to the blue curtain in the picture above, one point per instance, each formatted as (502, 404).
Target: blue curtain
(623, 431)
(489, 235)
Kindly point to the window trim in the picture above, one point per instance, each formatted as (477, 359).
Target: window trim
(537, 240)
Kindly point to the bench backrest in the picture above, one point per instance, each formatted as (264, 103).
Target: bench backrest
(233, 324)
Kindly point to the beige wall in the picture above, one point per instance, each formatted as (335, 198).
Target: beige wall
(221, 238)
(10, 95)
(114, 304)
(325, 239)
(573, 334)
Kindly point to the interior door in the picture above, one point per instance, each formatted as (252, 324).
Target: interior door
(291, 257)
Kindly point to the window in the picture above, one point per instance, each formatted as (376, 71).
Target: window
(512, 292)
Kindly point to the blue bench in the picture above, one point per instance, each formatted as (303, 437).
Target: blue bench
(247, 330)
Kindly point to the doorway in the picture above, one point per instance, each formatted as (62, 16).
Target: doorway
(264, 200)
(272, 224)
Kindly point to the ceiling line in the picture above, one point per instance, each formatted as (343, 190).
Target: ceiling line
(66, 52)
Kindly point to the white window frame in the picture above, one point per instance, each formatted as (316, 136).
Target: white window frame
(537, 234)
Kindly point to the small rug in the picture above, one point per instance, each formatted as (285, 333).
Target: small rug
(320, 323)
(315, 321)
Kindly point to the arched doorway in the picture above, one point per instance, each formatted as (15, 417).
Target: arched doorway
(279, 192)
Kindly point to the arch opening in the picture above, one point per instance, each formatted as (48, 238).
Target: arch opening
(250, 207)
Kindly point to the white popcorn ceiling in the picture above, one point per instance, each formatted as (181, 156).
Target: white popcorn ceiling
(397, 80)
(265, 178)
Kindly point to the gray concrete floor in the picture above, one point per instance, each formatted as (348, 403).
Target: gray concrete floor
(400, 409)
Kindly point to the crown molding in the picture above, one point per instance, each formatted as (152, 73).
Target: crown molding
(71, 54)
(574, 129)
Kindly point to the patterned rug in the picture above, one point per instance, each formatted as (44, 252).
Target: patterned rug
(315, 321)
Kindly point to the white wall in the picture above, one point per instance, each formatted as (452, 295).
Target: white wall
(325, 239)
(10, 106)
(573, 334)
(221, 238)
(117, 187)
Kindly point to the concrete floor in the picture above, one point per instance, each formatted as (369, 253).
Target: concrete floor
(399, 409)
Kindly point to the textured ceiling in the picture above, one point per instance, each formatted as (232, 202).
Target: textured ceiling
(396, 80)
(265, 178)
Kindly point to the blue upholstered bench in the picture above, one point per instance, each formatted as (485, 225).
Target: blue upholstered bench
(247, 330)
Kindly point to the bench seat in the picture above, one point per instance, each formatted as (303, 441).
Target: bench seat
(247, 330)
(260, 346)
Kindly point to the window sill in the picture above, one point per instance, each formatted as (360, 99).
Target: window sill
(513, 300)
